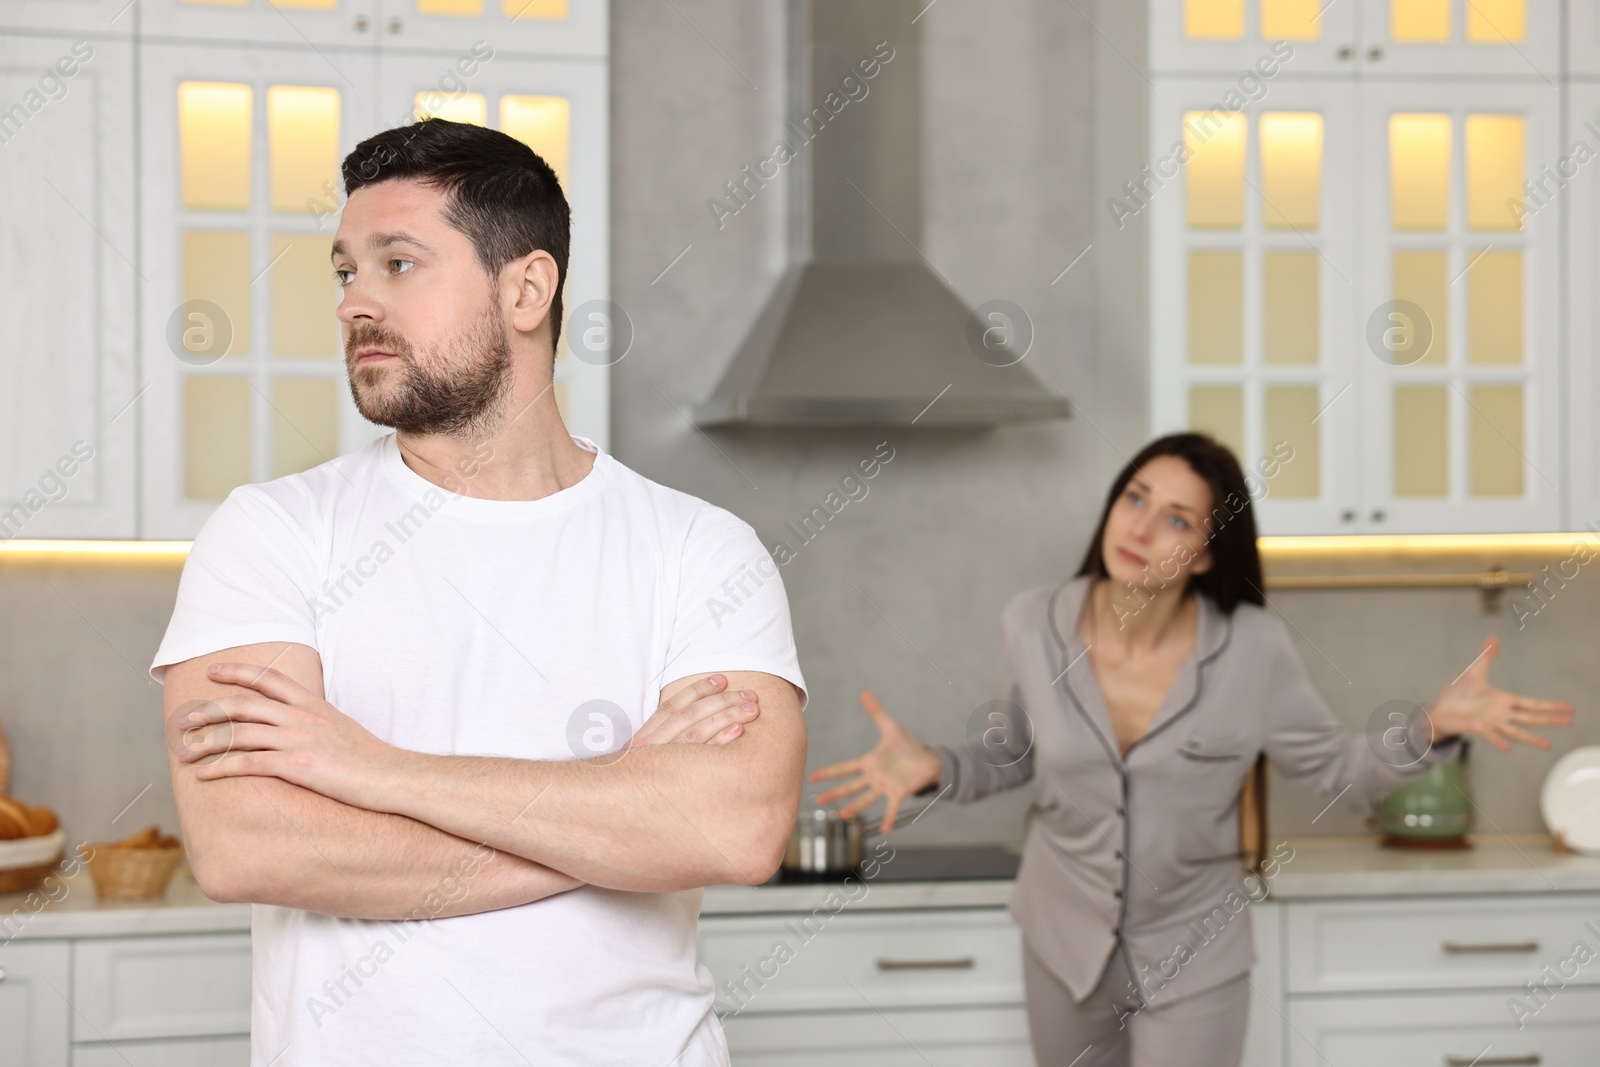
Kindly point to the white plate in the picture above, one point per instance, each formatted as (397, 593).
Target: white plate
(1570, 799)
(31, 851)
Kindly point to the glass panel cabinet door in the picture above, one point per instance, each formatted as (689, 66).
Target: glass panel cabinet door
(298, 22)
(67, 290)
(1458, 308)
(545, 27)
(1467, 37)
(113, 18)
(1232, 36)
(241, 347)
(1252, 266)
(1583, 37)
(1582, 193)
(560, 111)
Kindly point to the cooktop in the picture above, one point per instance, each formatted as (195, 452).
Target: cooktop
(908, 863)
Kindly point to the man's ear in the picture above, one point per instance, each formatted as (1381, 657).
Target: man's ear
(537, 281)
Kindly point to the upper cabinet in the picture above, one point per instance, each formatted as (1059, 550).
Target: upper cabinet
(68, 288)
(106, 18)
(1468, 37)
(295, 22)
(530, 27)
(1344, 276)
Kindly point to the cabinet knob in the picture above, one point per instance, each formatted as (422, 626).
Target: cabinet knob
(1345, 52)
(1375, 52)
(1377, 514)
(361, 24)
(1347, 515)
(396, 25)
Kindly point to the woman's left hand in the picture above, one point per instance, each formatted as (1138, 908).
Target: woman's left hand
(1470, 705)
(278, 728)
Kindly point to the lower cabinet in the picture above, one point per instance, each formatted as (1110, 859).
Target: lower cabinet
(1473, 981)
(35, 1017)
(915, 987)
(179, 1000)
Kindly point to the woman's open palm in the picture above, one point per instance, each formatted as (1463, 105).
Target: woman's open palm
(898, 766)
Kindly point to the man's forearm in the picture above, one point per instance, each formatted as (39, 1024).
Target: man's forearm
(294, 847)
(662, 818)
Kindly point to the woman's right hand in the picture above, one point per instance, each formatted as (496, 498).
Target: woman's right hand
(898, 766)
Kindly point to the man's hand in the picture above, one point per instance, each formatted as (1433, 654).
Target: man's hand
(701, 713)
(278, 728)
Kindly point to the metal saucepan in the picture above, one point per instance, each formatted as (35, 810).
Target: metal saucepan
(824, 842)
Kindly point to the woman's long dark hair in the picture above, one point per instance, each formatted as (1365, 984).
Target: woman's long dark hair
(1235, 572)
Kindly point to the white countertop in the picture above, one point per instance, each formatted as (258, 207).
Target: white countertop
(1319, 868)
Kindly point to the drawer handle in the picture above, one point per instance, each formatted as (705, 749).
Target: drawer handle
(1458, 947)
(1527, 1059)
(960, 963)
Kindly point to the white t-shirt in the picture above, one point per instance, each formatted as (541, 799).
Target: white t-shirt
(453, 624)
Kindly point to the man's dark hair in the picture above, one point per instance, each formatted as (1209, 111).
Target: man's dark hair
(502, 195)
(1235, 572)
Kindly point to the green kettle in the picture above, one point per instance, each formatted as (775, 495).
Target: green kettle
(1433, 811)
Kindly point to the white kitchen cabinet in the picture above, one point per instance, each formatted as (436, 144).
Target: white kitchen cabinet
(35, 1017)
(1511, 38)
(542, 27)
(1229, 36)
(1500, 38)
(161, 987)
(293, 22)
(68, 285)
(1464, 437)
(240, 344)
(1583, 39)
(1277, 248)
(1579, 174)
(207, 1052)
(101, 18)
(1452, 1030)
(940, 1037)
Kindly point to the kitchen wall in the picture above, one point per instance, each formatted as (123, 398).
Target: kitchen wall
(901, 592)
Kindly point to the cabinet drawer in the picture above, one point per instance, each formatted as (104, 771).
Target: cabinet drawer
(1441, 942)
(183, 986)
(1444, 1030)
(859, 962)
(202, 1052)
(33, 1003)
(947, 1037)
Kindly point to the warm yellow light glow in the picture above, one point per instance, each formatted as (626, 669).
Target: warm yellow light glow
(1213, 20)
(1291, 169)
(1285, 549)
(1496, 146)
(308, 5)
(464, 107)
(1497, 21)
(153, 550)
(303, 148)
(214, 145)
(1291, 20)
(544, 124)
(1419, 21)
(464, 8)
(1419, 171)
(1215, 174)
(534, 9)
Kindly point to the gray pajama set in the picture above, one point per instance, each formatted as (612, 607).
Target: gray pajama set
(1131, 898)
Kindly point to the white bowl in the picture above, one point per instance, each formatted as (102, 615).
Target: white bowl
(31, 851)
(1570, 799)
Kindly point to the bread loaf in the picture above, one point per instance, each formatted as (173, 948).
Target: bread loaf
(15, 821)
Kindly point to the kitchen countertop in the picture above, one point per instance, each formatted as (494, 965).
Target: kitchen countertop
(1318, 868)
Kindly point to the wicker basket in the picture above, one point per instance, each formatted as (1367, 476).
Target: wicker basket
(121, 872)
(24, 862)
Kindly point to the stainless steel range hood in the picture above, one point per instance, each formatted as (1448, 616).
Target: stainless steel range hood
(860, 330)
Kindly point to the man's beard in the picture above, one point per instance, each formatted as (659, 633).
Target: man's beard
(462, 399)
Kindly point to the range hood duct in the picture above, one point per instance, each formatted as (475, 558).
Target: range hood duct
(859, 330)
